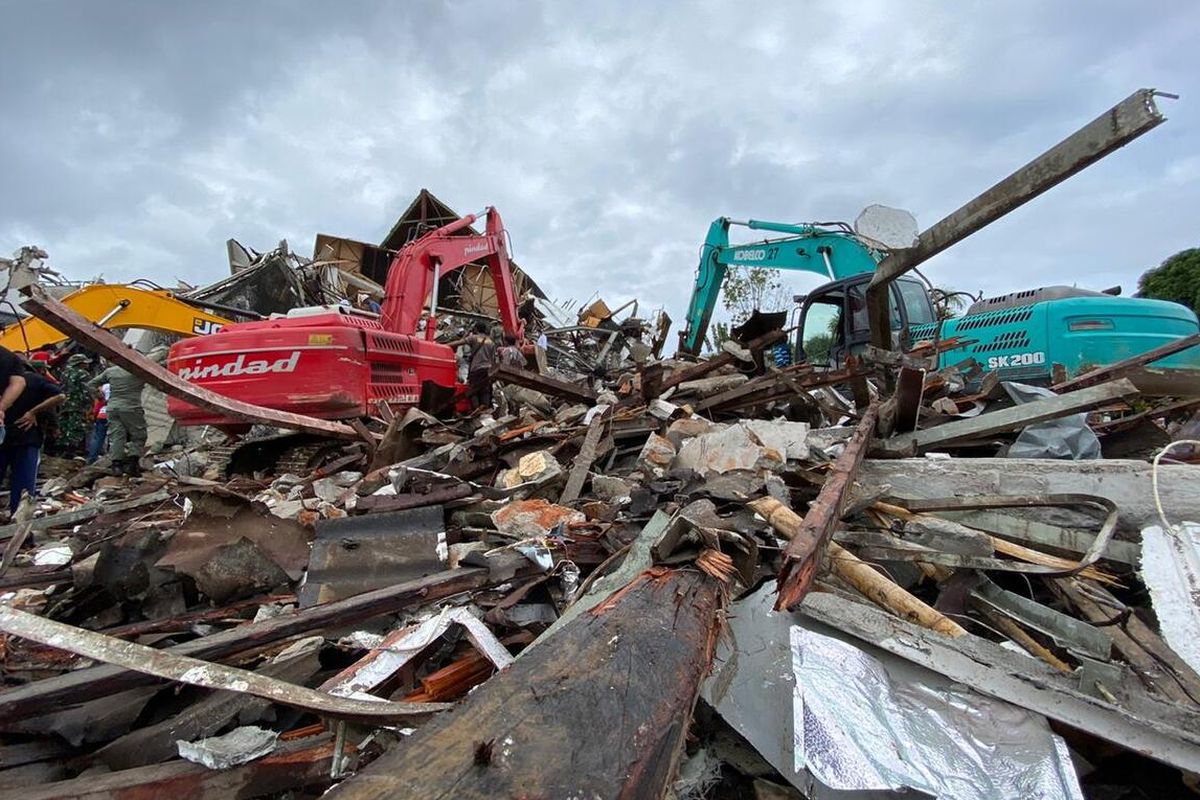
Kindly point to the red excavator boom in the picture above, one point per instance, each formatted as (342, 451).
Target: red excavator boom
(334, 362)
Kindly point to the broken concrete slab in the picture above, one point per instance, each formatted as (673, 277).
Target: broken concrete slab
(239, 746)
(1125, 483)
(730, 447)
(656, 456)
(527, 519)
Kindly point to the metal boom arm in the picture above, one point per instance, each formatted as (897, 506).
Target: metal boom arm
(420, 264)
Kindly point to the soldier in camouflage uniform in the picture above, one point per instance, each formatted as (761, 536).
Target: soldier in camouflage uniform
(74, 419)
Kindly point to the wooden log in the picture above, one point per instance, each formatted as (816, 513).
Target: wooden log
(884, 592)
(600, 713)
(809, 536)
(86, 512)
(80, 685)
(1008, 419)
(1159, 667)
(152, 744)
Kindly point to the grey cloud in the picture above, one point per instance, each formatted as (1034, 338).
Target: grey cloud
(609, 134)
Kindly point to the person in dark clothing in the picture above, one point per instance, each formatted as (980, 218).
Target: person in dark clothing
(12, 383)
(21, 451)
(483, 356)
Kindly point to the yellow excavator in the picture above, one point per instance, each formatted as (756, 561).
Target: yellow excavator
(116, 305)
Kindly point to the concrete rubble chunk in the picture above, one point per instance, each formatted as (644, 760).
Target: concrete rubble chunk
(530, 518)
(683, 429)
(239, 746)
(740, 446)
(610, 487)
(656, 456)
(536, 467)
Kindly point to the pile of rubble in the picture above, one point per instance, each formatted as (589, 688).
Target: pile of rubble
(668, 578)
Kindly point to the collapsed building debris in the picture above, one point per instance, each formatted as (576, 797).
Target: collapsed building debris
(631, 576)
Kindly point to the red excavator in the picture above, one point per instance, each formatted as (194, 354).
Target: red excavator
(336, 363)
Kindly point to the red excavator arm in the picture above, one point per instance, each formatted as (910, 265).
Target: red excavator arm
(419, 265)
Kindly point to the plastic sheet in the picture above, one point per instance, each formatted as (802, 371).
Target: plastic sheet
(1066, 437)
(855, 729)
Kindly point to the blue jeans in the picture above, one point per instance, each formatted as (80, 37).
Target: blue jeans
(96, 440)
(22, 460)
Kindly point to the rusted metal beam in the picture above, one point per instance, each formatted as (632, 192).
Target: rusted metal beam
(576, 392)
(1113, 129)
(807, 547)
(1122, 368)
(87, 333)
(205, 674)
(602, 712)
(77, 686)
(403, 502)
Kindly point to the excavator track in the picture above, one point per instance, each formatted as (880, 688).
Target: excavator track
(295, 453)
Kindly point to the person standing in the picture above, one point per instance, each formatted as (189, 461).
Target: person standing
(479, 369)
(12, 383)
(73, 420)
(99, 425)
(21, 452)
(126, 417)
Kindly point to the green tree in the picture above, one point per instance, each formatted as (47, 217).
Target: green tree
(718, 333)
(1176, 279)
(746, 290)
(948, 303)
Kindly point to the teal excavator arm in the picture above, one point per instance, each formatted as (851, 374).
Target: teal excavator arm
(833, 251)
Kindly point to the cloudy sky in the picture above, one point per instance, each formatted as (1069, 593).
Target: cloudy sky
(138, 136)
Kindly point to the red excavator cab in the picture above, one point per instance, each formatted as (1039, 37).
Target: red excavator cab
(338, 363)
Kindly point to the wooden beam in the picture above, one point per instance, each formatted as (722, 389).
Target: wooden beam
(719, 360)
(205, 674)
(578, 392)
(80, 685)
(87, 511)
(811, 536)
(94, 338)
(294, 765)
(602, 712)
(583, 461)
(1113, 129)
(1008, 419)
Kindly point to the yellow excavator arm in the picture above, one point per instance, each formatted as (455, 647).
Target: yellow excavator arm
(117, 306)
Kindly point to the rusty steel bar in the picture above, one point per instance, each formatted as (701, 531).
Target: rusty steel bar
(804, 552)
(46, 308)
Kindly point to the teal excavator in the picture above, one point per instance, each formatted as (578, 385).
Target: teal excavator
(1022, 335)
